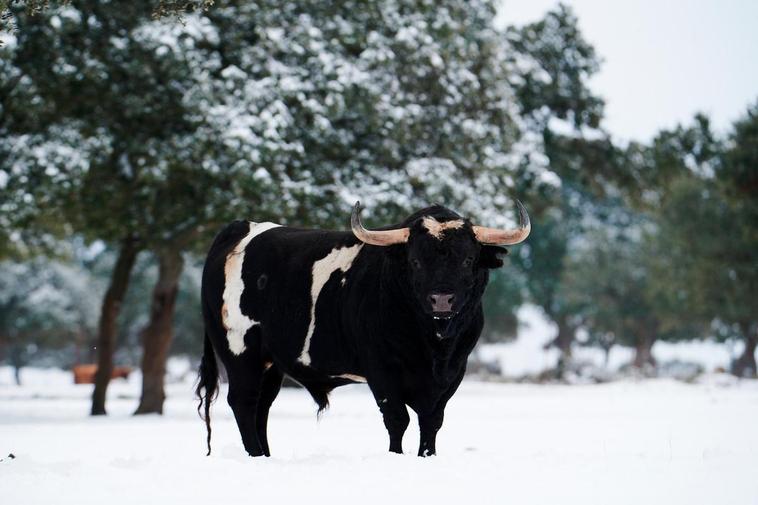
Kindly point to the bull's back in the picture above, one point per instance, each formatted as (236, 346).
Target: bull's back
(263, 281)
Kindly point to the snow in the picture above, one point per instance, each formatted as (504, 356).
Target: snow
(654, 441)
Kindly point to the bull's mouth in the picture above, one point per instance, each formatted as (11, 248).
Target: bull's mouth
(443, 324)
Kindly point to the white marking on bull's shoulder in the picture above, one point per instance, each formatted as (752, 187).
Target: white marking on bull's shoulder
(235, 322)
(338, 259)
(436, 228)
(350, 376)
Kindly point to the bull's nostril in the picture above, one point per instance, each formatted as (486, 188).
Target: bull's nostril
(441, 302)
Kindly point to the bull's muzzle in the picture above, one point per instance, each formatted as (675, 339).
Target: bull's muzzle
(442, 304)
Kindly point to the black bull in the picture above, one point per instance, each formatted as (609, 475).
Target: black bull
(399, 309)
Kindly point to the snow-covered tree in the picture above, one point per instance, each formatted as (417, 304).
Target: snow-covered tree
(149, 134)
(551, 64)
(44, 304)
(709, 234)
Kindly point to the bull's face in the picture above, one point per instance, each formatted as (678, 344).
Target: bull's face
(443, 265)
(446, 256)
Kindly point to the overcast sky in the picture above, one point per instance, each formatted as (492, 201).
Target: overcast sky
(664, 60)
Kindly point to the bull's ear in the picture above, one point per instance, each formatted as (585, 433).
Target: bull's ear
(491, 256)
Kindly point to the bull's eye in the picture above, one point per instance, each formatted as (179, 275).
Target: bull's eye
(416, 263)
(468, 262)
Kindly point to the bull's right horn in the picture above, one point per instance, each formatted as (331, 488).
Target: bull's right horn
(376, 237)
(495, 236)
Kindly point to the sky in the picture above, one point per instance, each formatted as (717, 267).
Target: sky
(664, 60)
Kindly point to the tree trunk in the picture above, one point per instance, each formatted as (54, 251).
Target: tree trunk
(644, 350)
(157, 335)
(606, 355)
(745, 365)
(17, 361)
(563, 342)
(106, 337)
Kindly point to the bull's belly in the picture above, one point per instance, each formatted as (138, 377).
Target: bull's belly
(329, 360)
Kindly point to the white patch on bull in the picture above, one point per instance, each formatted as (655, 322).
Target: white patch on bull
(349, 376)
(235, 322)
(337, 259)
(436, 228)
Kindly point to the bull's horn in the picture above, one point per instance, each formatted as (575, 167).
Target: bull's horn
(376, 237)
(494, 236)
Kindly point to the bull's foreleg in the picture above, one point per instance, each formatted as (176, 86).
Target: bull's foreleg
(430, 417)
(429, 424)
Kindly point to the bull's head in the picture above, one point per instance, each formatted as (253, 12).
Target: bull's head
(446, 257)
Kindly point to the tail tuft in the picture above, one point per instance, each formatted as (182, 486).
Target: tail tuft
(320, 396)
(208, 380)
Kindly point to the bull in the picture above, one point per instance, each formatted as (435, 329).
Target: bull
(397, 308)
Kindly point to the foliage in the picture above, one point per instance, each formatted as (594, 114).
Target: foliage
(505, 294)
(709, 225)
(164, 120)
(613, 286)
(45, 304)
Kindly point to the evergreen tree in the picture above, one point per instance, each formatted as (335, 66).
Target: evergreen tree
(552, 64)
(708, 228)
(612, 285)
(44, 304)
(149, 134)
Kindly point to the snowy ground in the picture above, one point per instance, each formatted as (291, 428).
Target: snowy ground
(656, 442)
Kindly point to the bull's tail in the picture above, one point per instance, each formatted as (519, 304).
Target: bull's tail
(208, 380)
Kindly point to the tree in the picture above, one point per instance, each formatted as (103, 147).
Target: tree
(288, 113)
(738, 179)
(612, 283)
(552, 64)
(44, 304)
(703, 209)
(709, 226)
(504, 295)
(115, 108)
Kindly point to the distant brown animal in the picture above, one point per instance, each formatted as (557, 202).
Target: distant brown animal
(85, 374)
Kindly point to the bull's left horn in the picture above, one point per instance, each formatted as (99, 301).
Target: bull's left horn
(494, 236)
(376, 237)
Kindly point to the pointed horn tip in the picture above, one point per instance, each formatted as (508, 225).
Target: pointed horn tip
(355, 219)
(379, 238)
(523, 215)
(492, 236)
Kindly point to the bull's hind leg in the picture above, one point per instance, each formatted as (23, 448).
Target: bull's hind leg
(396, 421)
(272, 383)
(245, 388)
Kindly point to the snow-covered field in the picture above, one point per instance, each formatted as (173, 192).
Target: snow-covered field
(655, 441)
